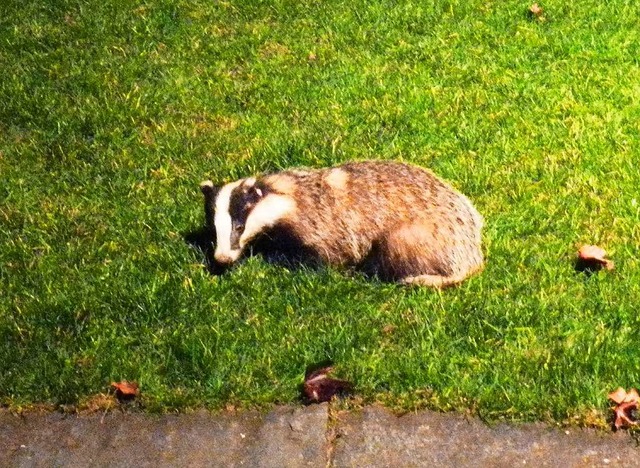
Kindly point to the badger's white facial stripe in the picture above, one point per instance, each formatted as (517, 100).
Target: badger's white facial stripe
(267, 213)
(224, 253)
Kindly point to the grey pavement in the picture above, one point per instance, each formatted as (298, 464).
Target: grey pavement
(300, 436)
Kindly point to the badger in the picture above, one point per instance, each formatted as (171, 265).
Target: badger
(397, 221)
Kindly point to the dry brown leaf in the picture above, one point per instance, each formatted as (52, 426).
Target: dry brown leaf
(626, 404)
(592, 258)
(623, 414)
(592, 252)
(632, 396)
(618, 395)
(536, 10)
(125, 390)
(318, 387)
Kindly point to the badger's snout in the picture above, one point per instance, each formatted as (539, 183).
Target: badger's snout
(226, 258)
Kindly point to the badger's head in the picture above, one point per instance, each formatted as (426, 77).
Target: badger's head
(240, 211)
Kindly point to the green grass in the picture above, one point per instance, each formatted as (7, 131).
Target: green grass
(112, 112)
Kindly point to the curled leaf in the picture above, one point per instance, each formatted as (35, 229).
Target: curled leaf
(626, 406)
(125, 390)
(536, 10)
(618, 395)
(623, 413)
(592, 258)
(632, 396)
(319, 387)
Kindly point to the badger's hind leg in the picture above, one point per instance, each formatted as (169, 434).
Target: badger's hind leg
(427, 253)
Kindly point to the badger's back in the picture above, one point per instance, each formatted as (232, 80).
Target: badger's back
(342, 212)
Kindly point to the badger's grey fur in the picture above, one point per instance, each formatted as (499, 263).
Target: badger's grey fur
(395, 220)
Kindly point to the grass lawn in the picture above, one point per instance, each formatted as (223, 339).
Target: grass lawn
(112, 112)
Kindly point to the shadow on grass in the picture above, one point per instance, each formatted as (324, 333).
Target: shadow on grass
(587, 267)
(276, 245)
(277, 249)
(203, 240)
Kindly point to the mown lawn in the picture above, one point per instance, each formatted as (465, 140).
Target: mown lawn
(112, 112)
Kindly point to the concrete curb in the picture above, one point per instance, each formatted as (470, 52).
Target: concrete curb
(300, 436)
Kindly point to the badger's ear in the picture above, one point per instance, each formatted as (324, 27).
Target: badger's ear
(208, 189)
(257, 192)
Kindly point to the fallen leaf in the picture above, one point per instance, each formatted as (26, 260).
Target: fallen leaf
(592, 258)
(312, 56)
(623, 414)
(618, 395)
(626, 405)
(125, 390)
(318, 387)
(592, 252)
(536, 10)
(632, 396)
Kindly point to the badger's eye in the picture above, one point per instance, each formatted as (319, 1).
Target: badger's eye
(238, 227)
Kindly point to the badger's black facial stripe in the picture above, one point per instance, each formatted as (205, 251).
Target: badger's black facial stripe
(243, 199)
(210, 193)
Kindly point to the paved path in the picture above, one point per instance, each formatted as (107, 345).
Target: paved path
(300, 436)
